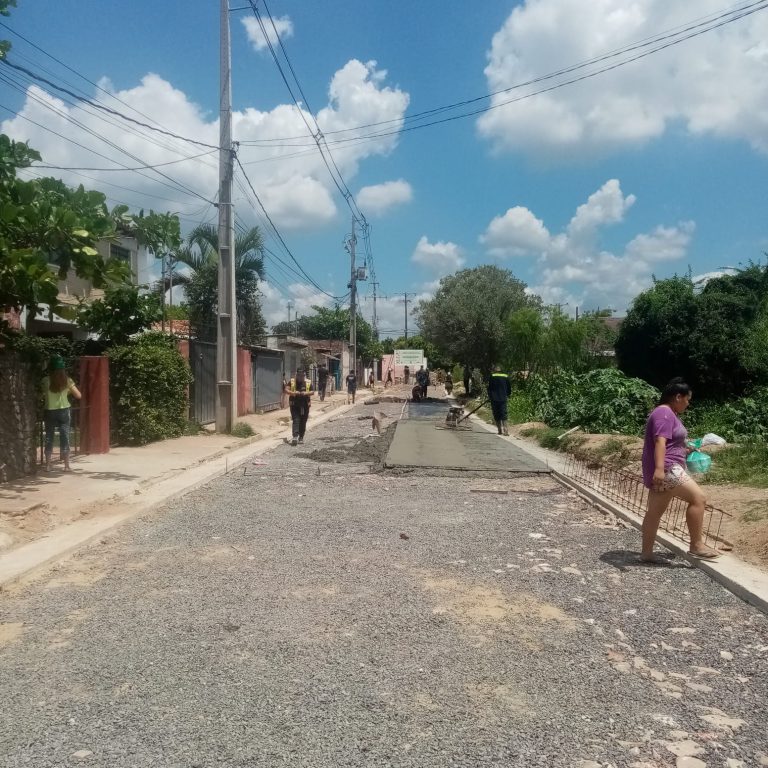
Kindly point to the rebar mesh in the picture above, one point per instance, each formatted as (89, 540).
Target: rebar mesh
(627, 489)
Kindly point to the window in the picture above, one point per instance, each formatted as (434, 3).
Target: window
(118, 252)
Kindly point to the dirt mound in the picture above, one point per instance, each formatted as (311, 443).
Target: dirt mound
(368, 450)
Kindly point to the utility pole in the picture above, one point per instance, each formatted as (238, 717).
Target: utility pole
(353, 302)
(290, 307)
(405, 295)
(375, 317)
(226, 335)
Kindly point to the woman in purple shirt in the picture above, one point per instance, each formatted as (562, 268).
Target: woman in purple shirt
(664, 473)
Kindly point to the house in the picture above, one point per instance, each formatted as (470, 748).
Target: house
(73, 289)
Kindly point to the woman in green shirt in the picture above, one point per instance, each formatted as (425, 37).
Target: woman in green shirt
(57, 386)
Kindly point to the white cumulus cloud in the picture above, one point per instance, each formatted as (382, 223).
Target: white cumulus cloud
(440, 258)
(711, 83)
(283, 25)
(571, 266)
(379, 198)
(293, 184)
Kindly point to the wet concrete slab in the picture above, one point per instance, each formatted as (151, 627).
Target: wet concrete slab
(426, 443)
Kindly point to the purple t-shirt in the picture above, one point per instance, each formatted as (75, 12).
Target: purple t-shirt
(663, 422)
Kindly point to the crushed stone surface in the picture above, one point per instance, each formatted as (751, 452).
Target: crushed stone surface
(311, 613)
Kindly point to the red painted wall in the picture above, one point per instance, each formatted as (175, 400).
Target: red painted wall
(94, 407)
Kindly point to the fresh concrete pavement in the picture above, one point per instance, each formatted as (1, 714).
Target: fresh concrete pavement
(310, 609)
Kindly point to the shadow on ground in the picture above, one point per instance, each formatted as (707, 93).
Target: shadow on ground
(624, 559)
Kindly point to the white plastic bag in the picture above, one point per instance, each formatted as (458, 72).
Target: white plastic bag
(712, 439)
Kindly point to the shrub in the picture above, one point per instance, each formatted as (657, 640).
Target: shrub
(520, 407)
(603, 400)
(241, 429)
(148, 389)
(739, 420)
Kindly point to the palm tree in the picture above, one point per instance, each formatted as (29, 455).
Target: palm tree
(201, 258)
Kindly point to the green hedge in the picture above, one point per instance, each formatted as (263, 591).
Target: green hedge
(742, 419)
(148, 389)
(603, 401)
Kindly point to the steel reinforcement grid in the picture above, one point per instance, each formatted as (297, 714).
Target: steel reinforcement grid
(627, 489)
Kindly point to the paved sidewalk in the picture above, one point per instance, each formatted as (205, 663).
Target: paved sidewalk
(33, 506)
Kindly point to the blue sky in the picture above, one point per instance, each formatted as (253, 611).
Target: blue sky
(584, 192)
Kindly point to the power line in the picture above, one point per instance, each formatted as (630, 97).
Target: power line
(108, 142)
(316, 134)
(137, 168)
(97, 105)
(277, 232)
(674, 38)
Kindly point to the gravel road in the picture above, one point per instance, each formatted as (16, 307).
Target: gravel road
(316, 613)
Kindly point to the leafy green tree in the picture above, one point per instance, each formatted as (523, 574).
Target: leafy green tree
(723, 344)
(654, 339)
(467, 318)
(201, 282)
(5, 46)
(42, 223)
(122, 313)
(333, 323)
(434, 358)
(715, 339)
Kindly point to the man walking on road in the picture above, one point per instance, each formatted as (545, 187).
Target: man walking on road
(351, 387)
(322, 380)
(422, 379)
(499, 390)
(299, 400)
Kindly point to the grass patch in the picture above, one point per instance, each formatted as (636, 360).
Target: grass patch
(194, 428)
(742, 465)
(241, 429)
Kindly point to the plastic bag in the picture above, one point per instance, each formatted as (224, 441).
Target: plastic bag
(712, 439)
(698, 463)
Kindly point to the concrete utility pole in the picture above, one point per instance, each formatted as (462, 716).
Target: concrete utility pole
(353, 302)
(405, 295)
(375, 317)
(290, 307)
(226, 336)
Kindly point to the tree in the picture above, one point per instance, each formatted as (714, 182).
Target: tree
(466, 320)
(202, 282)
(122, 313)
(434, 358)
(333, 323)
(44, 222)
(654, 339)
(713, 339)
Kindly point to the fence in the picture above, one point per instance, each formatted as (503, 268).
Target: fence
(202, 396)
(627, 489)
(266, 380)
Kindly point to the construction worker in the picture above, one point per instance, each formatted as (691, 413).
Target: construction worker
(499, 390)
(299, 399)
(422, 379)
(322, 380)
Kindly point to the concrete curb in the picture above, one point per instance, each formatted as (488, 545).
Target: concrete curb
(742, 579)
(26, 561)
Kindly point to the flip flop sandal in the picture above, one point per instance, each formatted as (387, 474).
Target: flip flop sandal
(704, 555)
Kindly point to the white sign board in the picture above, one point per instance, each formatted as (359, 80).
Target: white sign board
(409, 357)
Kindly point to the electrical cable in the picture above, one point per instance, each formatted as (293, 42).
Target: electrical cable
(277, 232)
(317, 134)
(97, 105)
(727, 18)
(177, 185)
